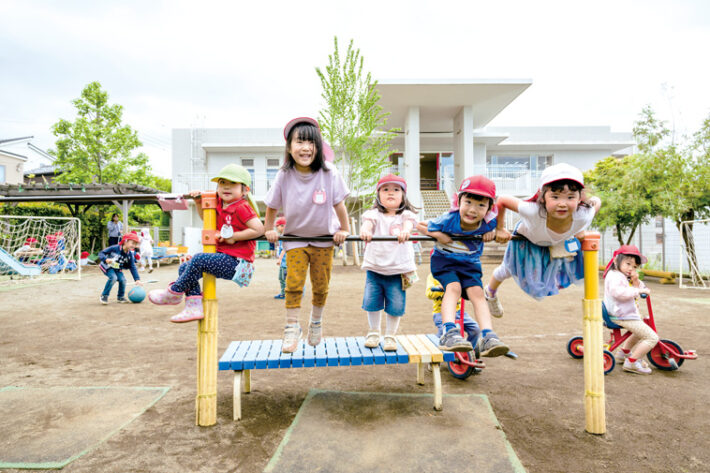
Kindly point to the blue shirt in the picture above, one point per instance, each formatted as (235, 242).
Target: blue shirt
(468, 250)
(125, 260)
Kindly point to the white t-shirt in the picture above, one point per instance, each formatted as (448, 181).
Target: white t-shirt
(533, 224)
(388, 257)
(307, 201)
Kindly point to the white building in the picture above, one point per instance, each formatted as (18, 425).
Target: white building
(444, 137)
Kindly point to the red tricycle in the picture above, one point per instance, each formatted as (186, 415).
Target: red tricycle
(468, 363)
(667, 355)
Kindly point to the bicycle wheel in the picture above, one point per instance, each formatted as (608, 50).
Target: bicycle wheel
(609, 362)
(575, 347)
(664, 359)
(460, 370)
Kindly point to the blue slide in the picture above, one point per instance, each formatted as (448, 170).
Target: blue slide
(7, 260)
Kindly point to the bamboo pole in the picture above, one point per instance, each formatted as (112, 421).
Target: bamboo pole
(594, 397)
(206, 401)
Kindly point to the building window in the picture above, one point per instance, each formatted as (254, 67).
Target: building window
(248, 163)
(272, 168)
(2, 174)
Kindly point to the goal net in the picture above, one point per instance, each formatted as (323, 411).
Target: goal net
(39, 248)
(694, 254)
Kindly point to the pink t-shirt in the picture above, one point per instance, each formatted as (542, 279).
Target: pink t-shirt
(620, 298)
(307, 201)
(388, 257)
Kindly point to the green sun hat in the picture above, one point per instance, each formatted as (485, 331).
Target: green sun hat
(234, 173)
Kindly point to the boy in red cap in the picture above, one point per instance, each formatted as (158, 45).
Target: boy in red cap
(457, 266)
(621, 288)
(116, 258)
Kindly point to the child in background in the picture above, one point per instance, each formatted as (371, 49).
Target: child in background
(281, 261)
(146, 250)
(457, 264)
(114, 259)
(27, 251)
(238, 221)
(550, 258)
(435, 292)
(388, 263)
(621, 289)
(312, 195)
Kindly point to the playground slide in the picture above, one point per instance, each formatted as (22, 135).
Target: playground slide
(6, 259)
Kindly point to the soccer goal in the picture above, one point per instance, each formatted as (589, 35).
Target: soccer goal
(694, 254)
(34, 249)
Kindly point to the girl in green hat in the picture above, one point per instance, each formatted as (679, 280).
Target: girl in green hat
(239, 223)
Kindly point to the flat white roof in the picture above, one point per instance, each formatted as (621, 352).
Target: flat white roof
(440, 100)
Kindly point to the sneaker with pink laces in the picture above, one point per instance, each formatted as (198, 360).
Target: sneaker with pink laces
(192, 311)
(165, 296)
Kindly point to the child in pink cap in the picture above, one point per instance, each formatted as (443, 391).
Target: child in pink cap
(622, 287)
(389, 264)
(312, 195)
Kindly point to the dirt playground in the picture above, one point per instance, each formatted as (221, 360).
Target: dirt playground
(59, 334)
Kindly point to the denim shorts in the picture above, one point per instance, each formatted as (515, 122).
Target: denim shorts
(447, 270)
(384, 292)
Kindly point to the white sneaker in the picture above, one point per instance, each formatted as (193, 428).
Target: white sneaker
(292, 335)
(636, 367)
(494, 305)
(372, 340)
(315, 333)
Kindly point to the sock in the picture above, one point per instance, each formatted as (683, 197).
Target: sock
(316, 315)
(490, 292)
(631, 360)
(373, 318)
(392, 324)
(448, 326)
(486, 332)
(292, 315)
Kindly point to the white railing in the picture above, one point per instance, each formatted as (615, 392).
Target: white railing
(514, 180)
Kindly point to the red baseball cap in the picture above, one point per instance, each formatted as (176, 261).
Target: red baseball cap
(281, 221)
(31, 240)
(392, 179)
(478, 185)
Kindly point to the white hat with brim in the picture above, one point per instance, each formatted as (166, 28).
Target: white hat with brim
(560, 172)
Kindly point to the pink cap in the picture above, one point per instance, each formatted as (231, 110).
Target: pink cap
(392, 179)
(478, 185)
(289, 126)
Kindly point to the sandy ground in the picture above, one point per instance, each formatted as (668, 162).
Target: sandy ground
(59, 335)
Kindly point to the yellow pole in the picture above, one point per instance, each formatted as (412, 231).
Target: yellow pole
(593, 342)
(206, 401)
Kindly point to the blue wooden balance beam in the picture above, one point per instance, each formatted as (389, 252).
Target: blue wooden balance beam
(244, 356)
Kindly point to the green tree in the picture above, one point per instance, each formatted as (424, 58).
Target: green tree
(624, 206)
(354, 123)
(677, 177)
(97, 147)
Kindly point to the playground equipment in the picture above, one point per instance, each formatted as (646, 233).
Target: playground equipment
(136, 295)
(37, 248)
(667, 355)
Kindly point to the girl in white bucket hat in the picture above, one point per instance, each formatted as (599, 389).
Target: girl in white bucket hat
(549, 258)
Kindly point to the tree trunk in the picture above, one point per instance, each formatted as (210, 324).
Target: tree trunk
(689, 242)
(631, 236)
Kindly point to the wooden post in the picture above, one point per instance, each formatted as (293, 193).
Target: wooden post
(594, 397)
(206, 401)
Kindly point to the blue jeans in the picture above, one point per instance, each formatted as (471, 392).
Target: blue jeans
(114, 275)
(384, 292)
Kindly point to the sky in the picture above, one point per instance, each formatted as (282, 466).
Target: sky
(223, 64)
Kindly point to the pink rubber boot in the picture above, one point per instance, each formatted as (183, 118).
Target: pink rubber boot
(165, 296)
(192, 311)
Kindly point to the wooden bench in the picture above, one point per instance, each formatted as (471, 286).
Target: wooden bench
(244, 356)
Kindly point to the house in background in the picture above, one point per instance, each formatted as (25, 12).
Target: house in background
(16, 156)
(444, 137)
